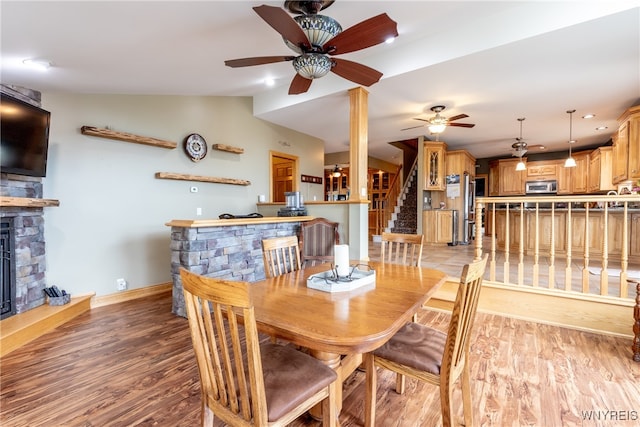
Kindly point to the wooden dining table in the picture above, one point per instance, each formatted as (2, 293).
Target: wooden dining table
(338, 327)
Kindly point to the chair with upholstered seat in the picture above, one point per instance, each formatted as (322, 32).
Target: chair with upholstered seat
(400, 248)
(280, 255)
(426, 354)
(317, 239)
(244, 382)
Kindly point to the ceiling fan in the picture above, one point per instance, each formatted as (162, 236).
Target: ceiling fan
(316, 38)
(438, 123)
(520, 147)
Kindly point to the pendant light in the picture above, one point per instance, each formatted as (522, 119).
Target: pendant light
(570, 162)
(521, 149)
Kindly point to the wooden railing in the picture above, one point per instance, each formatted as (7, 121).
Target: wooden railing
(579, 244)
(388, 203)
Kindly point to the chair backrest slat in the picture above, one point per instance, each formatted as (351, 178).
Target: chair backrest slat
(281, 255)
(399, 248)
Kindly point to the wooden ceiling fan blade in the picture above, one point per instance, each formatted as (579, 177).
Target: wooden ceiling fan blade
(367, 33)
(462, 125)
(414, 127)
(258, 60)
(355, 72)
(299, 85)
(284, 24)
(422, 120)
(458, 117)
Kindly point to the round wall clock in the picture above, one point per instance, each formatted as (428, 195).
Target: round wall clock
(195, 146)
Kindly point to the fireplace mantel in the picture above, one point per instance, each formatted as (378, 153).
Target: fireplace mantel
(28, 202)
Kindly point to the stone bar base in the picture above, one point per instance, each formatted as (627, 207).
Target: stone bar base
(227, 249)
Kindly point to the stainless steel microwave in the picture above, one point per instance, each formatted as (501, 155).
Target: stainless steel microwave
(541, 187)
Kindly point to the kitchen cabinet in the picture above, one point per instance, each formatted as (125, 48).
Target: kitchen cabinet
(564, 179)
(510, 181)
(542, 170)
(379, 182)
(434, 166)
(580, 173)
(494, 180)
(634, 249)
(437, 225)
(600, 170)
(626, 146)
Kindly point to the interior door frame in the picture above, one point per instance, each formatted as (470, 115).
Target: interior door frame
(296, 176)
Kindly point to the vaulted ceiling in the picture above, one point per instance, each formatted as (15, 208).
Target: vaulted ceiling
(494, 61)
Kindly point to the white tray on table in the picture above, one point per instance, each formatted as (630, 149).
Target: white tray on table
(327, 282)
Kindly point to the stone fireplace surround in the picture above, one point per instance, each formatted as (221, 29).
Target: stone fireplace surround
(29, 246)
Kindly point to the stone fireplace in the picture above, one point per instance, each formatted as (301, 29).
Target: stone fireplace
(23, 256)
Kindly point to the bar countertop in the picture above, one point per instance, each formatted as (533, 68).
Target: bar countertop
(200, 223)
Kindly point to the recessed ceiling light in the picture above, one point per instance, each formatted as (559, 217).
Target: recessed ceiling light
(589, 116)
(601, 128)
(38, 64)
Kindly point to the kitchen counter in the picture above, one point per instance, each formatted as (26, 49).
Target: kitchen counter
(199, 223)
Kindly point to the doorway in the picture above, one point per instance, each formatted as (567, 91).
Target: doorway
(283, 172)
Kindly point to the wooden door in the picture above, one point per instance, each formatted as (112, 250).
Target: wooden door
(283, 172)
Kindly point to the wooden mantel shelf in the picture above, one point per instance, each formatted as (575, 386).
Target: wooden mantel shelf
(187, 177)
(127, 137)
(28, 202)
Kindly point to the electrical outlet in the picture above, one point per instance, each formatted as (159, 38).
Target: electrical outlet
(122, 284)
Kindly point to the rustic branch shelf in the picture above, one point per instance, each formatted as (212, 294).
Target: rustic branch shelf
(228, 148)
(28, 202)
(187, 177)
(127, 137)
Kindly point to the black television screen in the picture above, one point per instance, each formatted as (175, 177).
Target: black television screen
(24, 133)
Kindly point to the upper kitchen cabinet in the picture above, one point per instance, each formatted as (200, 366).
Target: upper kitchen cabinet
(580, 174)
(434, 165)
(600, 173)
(626, 146)
(509, 181)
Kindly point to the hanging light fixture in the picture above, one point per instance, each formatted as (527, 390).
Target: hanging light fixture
(336, 172)
(520, 149)
(570, 162)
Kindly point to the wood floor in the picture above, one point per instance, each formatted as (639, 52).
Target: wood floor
(131, 364)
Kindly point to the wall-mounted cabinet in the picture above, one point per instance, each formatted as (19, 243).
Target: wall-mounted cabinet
(600, 170)
(626, 146)
(434, 166)
(580, 174)
(504, 177)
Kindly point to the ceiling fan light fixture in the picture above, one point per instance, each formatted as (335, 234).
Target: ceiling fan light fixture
(570, 162)
(437, 128)
(312, 65)
(319, 29)
(521, 166)
(336, 172)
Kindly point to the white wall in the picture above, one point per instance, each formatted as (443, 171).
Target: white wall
(110, 223)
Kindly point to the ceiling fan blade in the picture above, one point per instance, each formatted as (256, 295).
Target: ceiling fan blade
(367, 33)
(422, 120)
(458, 117)
(258, 60)
(414, 127)
(284, 24)
(355, 72)
(461, 125)
(299, 85)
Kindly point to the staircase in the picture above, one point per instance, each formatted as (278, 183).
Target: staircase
(405, 215)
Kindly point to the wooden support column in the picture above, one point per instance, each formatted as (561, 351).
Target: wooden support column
(358, 143)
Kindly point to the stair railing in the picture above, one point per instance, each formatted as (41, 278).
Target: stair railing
(386, 208)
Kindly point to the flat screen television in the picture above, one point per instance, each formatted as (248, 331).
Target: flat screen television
(24, 134)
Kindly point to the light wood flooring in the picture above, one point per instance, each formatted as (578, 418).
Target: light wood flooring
(132, 364)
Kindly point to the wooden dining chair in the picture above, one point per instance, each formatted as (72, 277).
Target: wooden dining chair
(281, 255)
(317, 239)
(426, 354)
(399, 248)
(244, 382)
